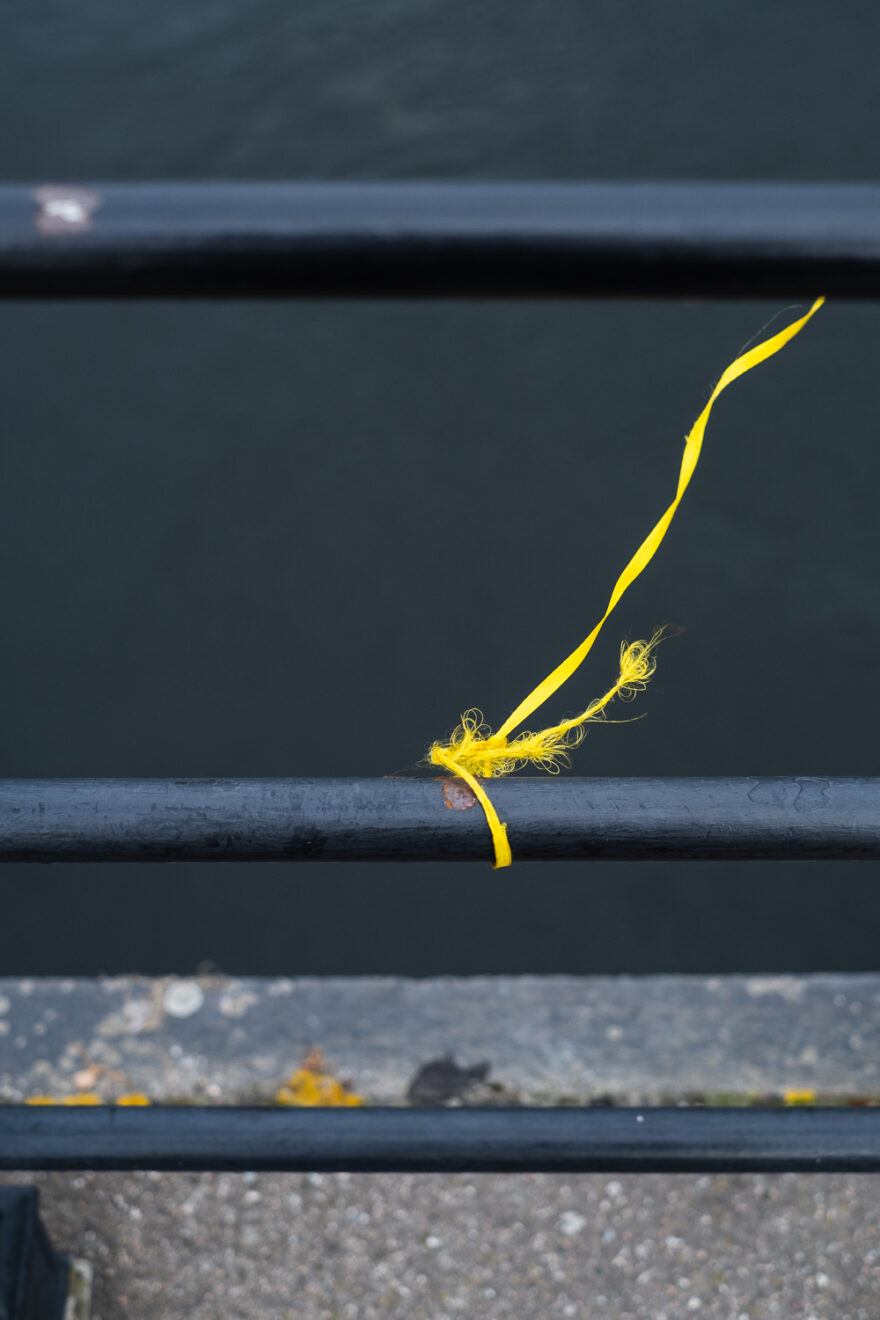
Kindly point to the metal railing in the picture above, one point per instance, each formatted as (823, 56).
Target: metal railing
(392, 1140)
(439, 240)
(273, 820)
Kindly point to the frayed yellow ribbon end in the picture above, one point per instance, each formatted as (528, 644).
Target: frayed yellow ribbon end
(474, 751)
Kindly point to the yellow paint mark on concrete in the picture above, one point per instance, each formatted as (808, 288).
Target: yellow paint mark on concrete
(314, 1085)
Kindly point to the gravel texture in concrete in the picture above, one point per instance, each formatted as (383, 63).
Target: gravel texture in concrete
(314, 1247)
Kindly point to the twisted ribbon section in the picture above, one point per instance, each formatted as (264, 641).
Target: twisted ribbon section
(474, 752)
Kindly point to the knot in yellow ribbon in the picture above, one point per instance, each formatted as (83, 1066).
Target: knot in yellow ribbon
(474, 752)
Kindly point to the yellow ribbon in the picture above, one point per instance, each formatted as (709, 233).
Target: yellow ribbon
(474, 751)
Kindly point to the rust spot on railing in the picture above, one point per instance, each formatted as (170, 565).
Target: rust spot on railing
(457, 795)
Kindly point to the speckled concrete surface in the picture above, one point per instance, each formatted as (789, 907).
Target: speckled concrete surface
(251, 1247)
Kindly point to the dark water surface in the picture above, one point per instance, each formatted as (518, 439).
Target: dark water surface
(300, 539)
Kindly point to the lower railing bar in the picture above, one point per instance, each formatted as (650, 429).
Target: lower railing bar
(167, 820)
(377, 1140)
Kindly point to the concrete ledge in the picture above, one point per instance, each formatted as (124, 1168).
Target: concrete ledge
(546, 1040)
(434, 1247)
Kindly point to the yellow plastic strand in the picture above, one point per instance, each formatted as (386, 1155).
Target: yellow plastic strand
(474, 752)
(498, 828)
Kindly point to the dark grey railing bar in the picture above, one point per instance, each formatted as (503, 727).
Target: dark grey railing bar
(93, 820)
(440, 240)
(442, 1140)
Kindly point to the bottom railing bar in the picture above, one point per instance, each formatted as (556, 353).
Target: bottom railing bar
(384, 1140)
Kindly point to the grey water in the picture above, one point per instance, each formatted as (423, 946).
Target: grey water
(300, 539)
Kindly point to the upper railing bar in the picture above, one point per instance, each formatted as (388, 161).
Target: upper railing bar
(440, 240)
(93, 820)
